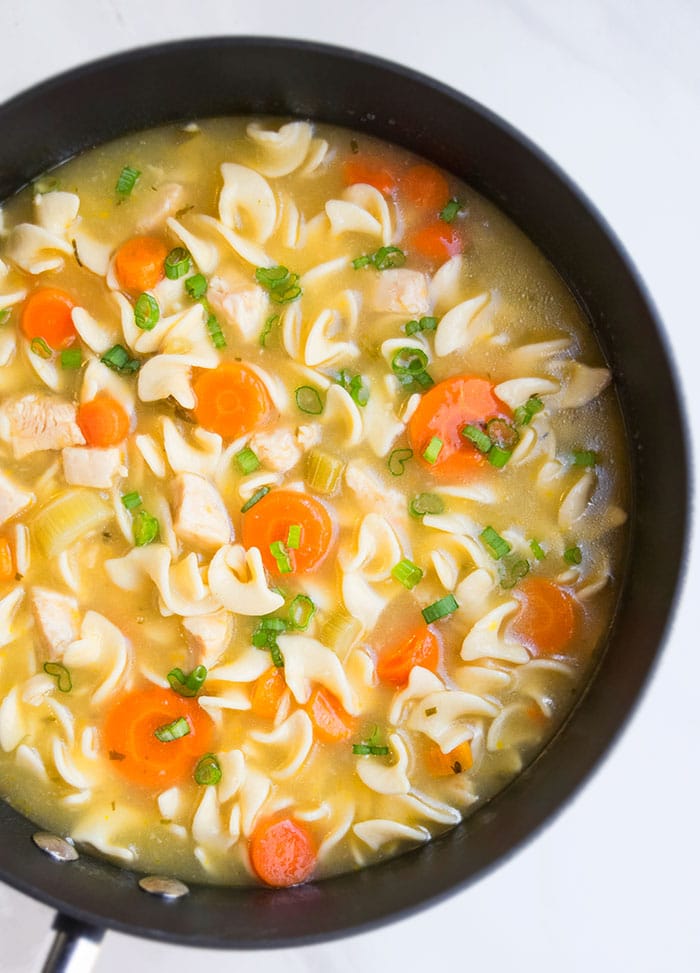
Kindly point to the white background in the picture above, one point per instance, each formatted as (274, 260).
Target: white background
(611, 90)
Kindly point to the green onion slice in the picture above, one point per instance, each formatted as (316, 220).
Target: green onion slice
(258, 495)
(397, 461)
(409, 362)
(119, 360)
(208, 771)
(496, 545)
(440, 609)
(407, 573)
(371, 746)
(301, 611)
(537, 550)
(308, 400)
(433, 450)
(187, 685)
(173, 731)
(294, 537)
(177, 263)
(450, 210)
(426, 503)
(146, 312)
(214, 331)
(524, 413)
(425, 324)
(146, 528)
(360, 262)
(71, 358)
(40, 348)
(247, 461)
(277, 657)
(61, 675)
(383, 259)
(127, 180)
(282, 285)
(267, 330)
(584, 457)
(196, 286)
(5, 315)
(477, 437)
(499, 457)
(279, 552)
(573, 555)
(513, 570)
(132, 500)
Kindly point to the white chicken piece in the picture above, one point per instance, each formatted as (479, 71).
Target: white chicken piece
(240, 304)
(164, 202)
(309, 435)
(276, 449)
(36, 422)
(90, 466)
(208, 636)
(56, 618)
(373, 495)
(402, 292)
(200, 519)
(13, 499)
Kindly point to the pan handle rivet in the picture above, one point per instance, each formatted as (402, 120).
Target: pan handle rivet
(57, 848)
(167, 888)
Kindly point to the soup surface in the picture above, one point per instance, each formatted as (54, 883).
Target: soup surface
(311, 488)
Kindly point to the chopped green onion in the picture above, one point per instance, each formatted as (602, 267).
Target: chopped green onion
(40, 348)
(282, 285)
(513, 570)
(359, 393)
(440, 609)
(277, 657)
(61, 675)
(146, 312)
(497, 546)
(425, 324)
(177, 263)
(187, 685)
(5, 315)
(127, 181)
(407, 573)
(360, 262)
(537, 550)
(173, 731)
(258, 495)
(361, 749)
(499, 457)
(119, 360)
(247, 461)
(301, 611)
(398, 459)
(524, 413)
(267, 330)
(584, 457)
(214, 331)
(146, 528)
(409, 362)
(294, 537)
(196, 286)
(273, 625)
(383, 259)
(308, 400)
(573, 555)
(278, 551)
(502, 433)
(422, 379)
(322, 471)
(132, 500)
(433, 450)
(71, 358)
(371, 746)
(477, 437)
(426, 503)
(208, 771)
(450, 210)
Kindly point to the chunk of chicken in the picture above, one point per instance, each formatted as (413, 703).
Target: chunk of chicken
(158, 205)
(92, 467)
(13, 499)
(56, 618)
(208, 636)
(200, 518)
(35, 422)
(241, 304)
(276, 449)
(403, 292)
(373, 495)
(309, 435)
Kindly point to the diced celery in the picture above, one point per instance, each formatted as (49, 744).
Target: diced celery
(322, 471)
(340, 631)
(68, 518)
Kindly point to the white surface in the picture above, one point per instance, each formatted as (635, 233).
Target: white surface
(610, 89)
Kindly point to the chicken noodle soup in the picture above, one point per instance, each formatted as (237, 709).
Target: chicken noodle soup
(310, 501)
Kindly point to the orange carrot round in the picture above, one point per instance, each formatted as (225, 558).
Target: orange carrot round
(269, 520)
(7, 564)
(372, 171)
(547, 617)
(47, 315)
(330, 720)
(443, 412)
(421, 647)
(139, 263)
(267, 693)
(435, 242)
(441, 764)
(232, 400)
(129, 740)
(103, 421)
(282, 853)
(425, 186)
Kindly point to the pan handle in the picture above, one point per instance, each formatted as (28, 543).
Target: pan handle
(74, 948)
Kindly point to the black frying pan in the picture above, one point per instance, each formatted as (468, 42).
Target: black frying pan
(221, 76)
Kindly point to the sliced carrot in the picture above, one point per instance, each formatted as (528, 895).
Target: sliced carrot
(139, 263)
(371, 170)
(129, 740)
(443, 412)
(267, 693)
(426, 187)
(269, 520)
(435, 242)
(103, 421)
(47, 315)
(547, 617)
(232, 400)
(421, 647)
(7, 564)
(330, 720)
(282, 853)
(441, 764)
